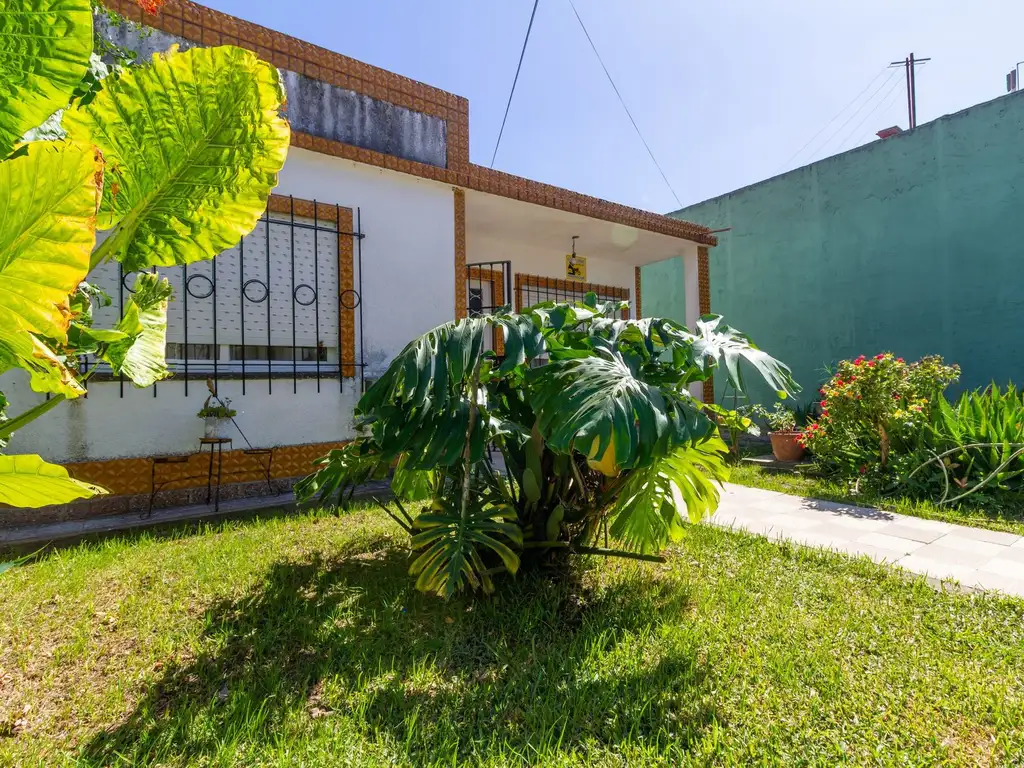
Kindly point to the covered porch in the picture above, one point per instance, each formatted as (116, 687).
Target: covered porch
(520, 253)
(526, 243)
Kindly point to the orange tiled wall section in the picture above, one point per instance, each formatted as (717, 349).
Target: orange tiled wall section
(132, 476)
(704, 305)
(460, 253)
(638, 308)
(348, 299)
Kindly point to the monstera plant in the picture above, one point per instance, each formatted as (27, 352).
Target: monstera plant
(174, 159)
(582, 433)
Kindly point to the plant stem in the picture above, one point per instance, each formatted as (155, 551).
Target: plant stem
(618, 553)
(392, 515)
(12, 425)
(579, 478)
(467, 450)
(405, 514)
(544, 544)
(103, 252)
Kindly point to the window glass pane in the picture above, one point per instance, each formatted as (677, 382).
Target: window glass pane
(178, 351)
(277, 354)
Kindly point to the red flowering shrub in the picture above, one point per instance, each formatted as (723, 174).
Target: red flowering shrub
(874, 409)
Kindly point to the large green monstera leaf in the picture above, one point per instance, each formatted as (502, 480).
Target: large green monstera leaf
(714, 341)
(48, 200)
(44, 52)
(649, 511)
(193, 144)
(28, 481)
(600, 407)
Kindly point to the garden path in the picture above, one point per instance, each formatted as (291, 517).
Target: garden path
(975, 557)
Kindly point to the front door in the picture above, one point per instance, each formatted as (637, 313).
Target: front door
(488, 290)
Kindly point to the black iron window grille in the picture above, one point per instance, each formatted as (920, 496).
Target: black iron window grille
(534, 289)
(488, 289)
(270, 308)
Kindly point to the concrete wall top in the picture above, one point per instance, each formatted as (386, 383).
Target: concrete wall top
(319, 108)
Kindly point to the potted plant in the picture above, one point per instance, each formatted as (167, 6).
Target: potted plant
(783, 432)
(218, 416)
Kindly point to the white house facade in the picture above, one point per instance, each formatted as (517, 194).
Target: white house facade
(380, 229)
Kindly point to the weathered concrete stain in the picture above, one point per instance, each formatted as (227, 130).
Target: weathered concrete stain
(336, 113)
(911, 244)
(321, 109)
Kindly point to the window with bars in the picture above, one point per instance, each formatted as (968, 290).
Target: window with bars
(282, 303)
(534, 289)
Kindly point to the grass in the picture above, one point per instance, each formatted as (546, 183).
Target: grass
(300, 641)
(978, 511)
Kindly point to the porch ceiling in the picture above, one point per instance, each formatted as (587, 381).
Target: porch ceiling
(501, 218)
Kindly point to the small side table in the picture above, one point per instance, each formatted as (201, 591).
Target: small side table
(258, 454)
(216, 446)
(158, 462)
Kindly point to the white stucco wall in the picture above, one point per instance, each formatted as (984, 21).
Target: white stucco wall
(104, 425)
(532, 260)
(407, 288)
(408, 252)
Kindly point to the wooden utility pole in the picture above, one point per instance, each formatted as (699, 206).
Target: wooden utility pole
(910, 65)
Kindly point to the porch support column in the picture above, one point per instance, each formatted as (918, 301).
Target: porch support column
(691, 295)
(461, 309)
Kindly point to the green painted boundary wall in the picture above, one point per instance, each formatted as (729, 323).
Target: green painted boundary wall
(912, 244)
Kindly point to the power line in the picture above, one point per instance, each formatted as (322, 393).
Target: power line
(886, 101)
(854, 115)
(832, 120)
(623, 103)
(514, 81)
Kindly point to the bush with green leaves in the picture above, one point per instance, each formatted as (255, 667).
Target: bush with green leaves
(874, 411)
(779, 418)
(974, 444)
(175, 160)
(582, 434)
(737, 422)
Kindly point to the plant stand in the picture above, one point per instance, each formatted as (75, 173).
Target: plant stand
(216, 446)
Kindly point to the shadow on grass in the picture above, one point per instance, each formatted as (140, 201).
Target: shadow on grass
(349, 644)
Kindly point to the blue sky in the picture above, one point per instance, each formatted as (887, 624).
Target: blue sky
(725, 92)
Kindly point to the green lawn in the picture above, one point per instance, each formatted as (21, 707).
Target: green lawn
(1000, 514)
(300, 641)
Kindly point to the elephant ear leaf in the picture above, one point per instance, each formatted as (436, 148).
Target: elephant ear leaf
(28, 481)
(717, 343)
(139, 355)
(193, 144)
(47, 232)
(44, 53)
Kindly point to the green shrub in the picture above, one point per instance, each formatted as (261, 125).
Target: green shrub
(978, 440)
(873, 413)
(779, 419)
(599, 438)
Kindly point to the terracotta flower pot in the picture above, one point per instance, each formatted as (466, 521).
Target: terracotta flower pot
(785, 447)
